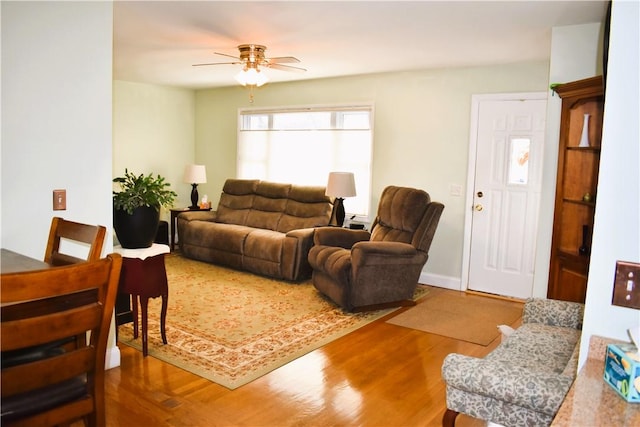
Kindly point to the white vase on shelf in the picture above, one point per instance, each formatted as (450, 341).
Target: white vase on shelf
(584, 139)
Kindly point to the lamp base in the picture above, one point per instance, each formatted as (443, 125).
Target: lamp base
(338, 207)
(194, 197)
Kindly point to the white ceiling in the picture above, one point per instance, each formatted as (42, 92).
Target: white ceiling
(158, 41)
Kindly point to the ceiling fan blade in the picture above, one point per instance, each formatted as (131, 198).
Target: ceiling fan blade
(224, 54)
(286, 68)
(217, 63)
(282, 60)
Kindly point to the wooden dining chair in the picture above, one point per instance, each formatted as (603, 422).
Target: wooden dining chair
(93, 235)
(45, 381)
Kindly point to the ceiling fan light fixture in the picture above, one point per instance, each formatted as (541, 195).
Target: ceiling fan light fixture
(251, 77)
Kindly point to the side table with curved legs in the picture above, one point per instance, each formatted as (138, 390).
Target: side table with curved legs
(144, 276)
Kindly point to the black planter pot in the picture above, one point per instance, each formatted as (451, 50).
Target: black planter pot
(137, 230)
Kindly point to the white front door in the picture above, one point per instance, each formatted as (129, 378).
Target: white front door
(506, 195)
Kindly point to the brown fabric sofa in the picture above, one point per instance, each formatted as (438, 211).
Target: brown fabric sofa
(262, 227)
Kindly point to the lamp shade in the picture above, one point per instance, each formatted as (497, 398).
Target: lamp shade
(341, 184)
(195, 174)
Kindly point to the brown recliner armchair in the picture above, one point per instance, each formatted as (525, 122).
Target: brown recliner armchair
(361, 270)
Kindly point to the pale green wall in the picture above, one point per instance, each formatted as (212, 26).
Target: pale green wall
(421, 133)
(153, 132)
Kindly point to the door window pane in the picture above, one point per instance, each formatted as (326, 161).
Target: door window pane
(519, 161)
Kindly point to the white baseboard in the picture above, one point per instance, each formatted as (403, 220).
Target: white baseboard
(112, 359)
(440, 281)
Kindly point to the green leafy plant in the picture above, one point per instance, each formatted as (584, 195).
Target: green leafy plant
(142, 190)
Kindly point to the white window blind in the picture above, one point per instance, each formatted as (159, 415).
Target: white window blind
(301, 146)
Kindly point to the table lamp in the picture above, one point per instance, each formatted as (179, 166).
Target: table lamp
(194, 175)
(340, 185)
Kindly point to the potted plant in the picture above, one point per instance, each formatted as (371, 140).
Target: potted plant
(136, 208)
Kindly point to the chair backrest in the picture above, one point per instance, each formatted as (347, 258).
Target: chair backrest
(406, 215)
(45, 381)
(93, 235)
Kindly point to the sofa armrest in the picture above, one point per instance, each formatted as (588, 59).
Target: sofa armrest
(301, 233)
(553, 313)
(340, 237)
(298, 244)
(197, 216)
(363, 253)
(537, 391)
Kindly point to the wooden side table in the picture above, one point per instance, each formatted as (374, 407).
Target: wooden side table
(144, 276)
(174, 216)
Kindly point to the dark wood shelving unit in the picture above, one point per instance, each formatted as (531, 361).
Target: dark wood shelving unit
(577, 182)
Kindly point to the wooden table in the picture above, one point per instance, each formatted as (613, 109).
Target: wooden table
(13, 262)
(144, 276)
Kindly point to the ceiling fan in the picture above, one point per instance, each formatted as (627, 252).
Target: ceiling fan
(252, 57)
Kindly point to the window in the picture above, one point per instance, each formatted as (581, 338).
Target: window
(303, 145)
(519, 161)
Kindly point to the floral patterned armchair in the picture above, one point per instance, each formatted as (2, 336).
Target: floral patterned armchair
(525, 379)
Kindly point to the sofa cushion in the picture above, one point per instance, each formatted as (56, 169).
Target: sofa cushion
(333, 261)
(273, 190)
(266, 212)
(229, 237)
(268, 205)
(264, 244)
(553, 312)
(234, 209)
(537, 347)
(307, 194)
(240, 187)
(306, 207)
(236, 200)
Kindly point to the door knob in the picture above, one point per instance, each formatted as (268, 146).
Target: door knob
(478, 207)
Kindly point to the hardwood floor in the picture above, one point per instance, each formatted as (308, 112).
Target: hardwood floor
(379, 375)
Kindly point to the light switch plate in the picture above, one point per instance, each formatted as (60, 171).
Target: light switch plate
(626, 285)
(59, 200)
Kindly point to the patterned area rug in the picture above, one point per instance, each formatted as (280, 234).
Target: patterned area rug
(232, 327)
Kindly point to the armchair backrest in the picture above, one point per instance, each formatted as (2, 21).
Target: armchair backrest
(406, 215)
